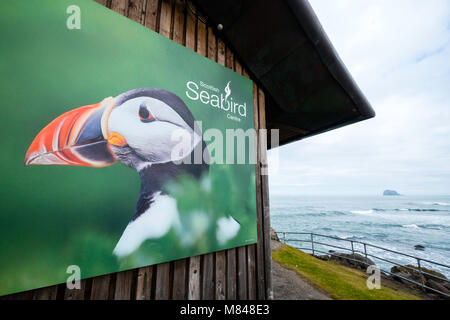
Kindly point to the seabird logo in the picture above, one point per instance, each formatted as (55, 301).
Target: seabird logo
(216, 100)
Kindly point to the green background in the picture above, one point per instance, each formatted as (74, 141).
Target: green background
(55, 216)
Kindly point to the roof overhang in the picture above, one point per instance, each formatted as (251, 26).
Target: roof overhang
(284, 47)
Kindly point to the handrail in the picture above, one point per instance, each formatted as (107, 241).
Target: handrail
(366, 245)
(372, 245)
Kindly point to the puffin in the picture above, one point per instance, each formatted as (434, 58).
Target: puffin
(150, 130)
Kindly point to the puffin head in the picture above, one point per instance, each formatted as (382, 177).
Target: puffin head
(139, 127)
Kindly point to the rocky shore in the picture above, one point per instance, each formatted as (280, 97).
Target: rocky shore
(431, 278)
(399, 274)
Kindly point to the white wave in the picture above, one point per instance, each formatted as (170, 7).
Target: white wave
(362, 211)
(428, 203)
(432, 227)
(351, 237)
(411, 226)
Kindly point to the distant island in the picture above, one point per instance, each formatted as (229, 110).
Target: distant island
(391, 193)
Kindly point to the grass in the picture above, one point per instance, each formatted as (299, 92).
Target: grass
(337, 281)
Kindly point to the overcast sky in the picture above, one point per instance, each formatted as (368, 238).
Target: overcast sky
(399, 54)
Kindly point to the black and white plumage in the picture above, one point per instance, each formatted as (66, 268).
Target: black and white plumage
(149, 130)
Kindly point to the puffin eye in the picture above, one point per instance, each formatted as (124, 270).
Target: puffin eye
(145, 115)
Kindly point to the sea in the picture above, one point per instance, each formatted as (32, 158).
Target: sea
(397, 223)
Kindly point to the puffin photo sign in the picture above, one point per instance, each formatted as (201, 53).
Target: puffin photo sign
(115, 150)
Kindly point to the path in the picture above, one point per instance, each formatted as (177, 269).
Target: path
(288, 285)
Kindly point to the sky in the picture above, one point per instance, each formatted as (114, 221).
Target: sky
(399, 54)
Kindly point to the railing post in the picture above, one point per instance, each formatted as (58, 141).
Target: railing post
(353, 250)
(365, 252)
(284, 237)
(421, 274)
(312, 244)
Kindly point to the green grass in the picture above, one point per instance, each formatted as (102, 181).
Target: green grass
(337, 281)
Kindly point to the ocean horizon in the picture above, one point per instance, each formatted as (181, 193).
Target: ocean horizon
(394, 222)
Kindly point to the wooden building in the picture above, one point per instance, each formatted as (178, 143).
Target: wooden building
(300, 87)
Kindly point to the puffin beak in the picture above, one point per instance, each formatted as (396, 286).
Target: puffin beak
(75, 138)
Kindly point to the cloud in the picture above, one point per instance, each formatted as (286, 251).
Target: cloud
(399, 54)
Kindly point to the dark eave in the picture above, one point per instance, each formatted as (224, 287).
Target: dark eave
(281, 42)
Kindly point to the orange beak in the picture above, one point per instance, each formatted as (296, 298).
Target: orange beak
(77, 137)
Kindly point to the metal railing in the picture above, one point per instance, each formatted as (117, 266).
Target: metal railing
(312, 239)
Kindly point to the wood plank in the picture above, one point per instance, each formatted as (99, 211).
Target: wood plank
(208, 288)
(135, 8)
(178, 22)
(201, 38)
(221, 281)
(124, 282)
(260, 270)
(231, 285)
(144, 283)
(229, 58)
(194, 278)
(162, 289)
(265, 200)
(191, 23)
(100, 287)
(251, 249)
(221, 58)
(241, 251)
(221, 257)
(212, 45)
(120, 6)
(76, 294)
(179, 291)
(241, 274)
(267, 248)
(237, 66)
(194, 291)
(208, 284)
(179, 280)
(165, 19)
(251, 272)
(245, 73)
(231, 274)
(47, 293)
(151, 14)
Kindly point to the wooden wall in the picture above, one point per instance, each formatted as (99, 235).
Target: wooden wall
(240, 273)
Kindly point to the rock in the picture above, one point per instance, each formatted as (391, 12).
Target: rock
(273, 235)
(323, 257)
(411, 272)
(391, 193)
(436, 285)
(344, 258)
(419, 247)
(403, 272)
(446, 285)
